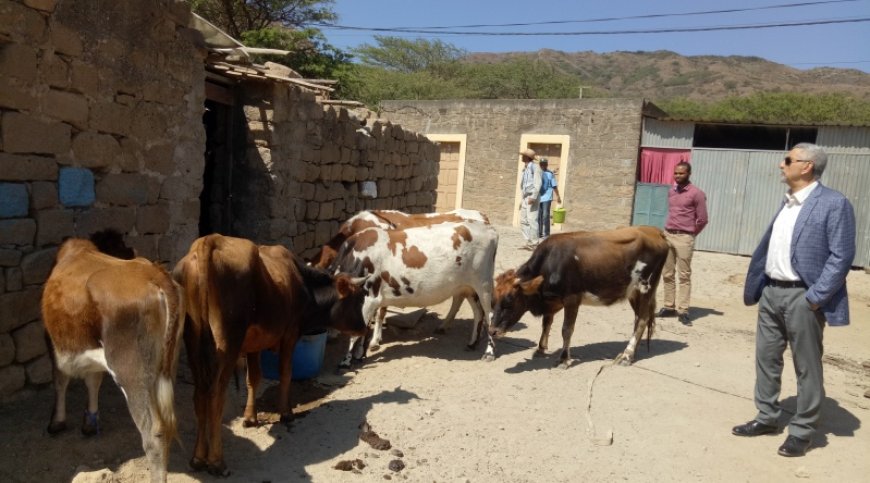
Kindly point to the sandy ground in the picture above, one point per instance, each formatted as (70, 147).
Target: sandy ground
(451, 417)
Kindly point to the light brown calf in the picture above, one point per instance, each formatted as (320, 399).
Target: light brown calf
(104, 314)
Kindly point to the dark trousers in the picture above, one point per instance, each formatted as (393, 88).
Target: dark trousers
(544, 219)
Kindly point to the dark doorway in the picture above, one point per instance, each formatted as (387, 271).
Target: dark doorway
(215, 200)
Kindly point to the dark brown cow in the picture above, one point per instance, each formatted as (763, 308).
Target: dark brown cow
(242, 299)
(595, 268)
(121, 316)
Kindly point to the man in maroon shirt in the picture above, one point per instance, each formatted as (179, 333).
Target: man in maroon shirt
(687, 216)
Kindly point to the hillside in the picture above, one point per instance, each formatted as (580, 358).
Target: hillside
(663, 75)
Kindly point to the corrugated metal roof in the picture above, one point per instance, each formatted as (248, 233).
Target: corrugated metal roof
(757, 123)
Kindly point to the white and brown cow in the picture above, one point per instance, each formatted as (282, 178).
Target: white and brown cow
(593, 268)
(389, 220)
(422, 266)
(242, 299)
(124, 317)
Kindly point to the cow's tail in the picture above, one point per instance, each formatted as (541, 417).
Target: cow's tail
(173, 311)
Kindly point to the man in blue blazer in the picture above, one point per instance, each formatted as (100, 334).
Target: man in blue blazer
(798, 278)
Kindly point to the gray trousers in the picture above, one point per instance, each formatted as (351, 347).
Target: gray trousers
(784, 317)
(529, 220)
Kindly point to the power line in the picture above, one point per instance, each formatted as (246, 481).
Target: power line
(829, 63)
(635, 17)
(603, 32)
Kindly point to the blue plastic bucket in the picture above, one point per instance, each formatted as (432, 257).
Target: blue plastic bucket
(307, 358)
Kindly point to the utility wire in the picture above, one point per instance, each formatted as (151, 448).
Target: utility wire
(634, 17)
(605, 32)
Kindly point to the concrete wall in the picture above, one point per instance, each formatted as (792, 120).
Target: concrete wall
(602, 162)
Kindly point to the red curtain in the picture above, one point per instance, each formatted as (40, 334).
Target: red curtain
(657, 164)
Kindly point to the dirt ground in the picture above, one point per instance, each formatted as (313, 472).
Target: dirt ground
(453, 418)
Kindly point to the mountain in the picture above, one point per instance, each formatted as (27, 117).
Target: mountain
(663, 75)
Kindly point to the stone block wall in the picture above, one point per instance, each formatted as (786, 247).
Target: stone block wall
(100, 126)
(604, 142)
(305, 161)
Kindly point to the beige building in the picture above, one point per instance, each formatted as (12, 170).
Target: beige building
(591, 144)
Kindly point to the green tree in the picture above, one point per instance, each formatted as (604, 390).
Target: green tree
(236, 17)
(776, 108)
(403, 55)
(371, 85)
(519, 78)
(279, 24)
(310, 54)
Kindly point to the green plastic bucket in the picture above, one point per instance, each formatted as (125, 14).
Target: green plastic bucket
(559, 215)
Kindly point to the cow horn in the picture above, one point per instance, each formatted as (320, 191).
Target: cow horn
(359, 281)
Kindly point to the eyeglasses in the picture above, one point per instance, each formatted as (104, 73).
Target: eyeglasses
(788, 161)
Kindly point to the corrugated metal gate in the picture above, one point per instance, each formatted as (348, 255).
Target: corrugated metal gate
(744, 191)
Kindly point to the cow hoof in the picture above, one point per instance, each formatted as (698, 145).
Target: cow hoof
(90, 424)
(539, 353)
(564, 364)
(220, 470)
(622, 361)
(197, 464)
(286, 419)
(373, 347)
(250, 423)
(56, 427)
(488, 357)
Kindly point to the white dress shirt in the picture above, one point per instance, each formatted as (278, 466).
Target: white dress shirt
(778, 266)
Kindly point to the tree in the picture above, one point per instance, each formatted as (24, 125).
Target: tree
(279, 24)
(777, 108)
(236, 17)
(519, 78)
(310, 54)
(403, 55)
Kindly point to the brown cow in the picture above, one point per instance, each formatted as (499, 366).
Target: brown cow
(242, 299)
(121, 316)
(595, 268)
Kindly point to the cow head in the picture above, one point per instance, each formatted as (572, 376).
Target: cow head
(512, 297)
(346, 313)
(111, 242)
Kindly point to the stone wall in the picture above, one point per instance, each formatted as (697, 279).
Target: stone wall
(100, 126)
(305, 161)
(604, 140)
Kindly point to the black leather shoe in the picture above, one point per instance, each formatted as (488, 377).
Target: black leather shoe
(666, 312)
(685, 320)
(793, 447)
(753, 428)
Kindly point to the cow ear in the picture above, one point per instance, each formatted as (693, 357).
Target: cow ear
(344, 285)
(532, 285)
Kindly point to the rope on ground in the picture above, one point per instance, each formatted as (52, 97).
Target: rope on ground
(607, 440)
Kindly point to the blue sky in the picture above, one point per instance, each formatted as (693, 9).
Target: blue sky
(845, 45)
